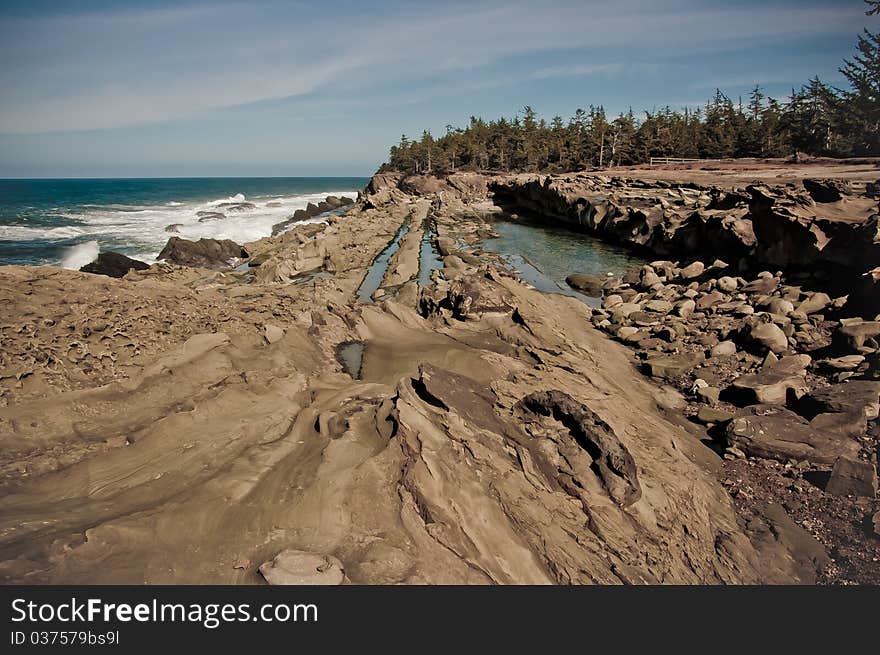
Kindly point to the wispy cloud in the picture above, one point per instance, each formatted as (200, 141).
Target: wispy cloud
(125, 67)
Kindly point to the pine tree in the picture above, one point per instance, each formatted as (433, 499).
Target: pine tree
(623, 139)
(817, 119)
(811, 119)
(862, 107)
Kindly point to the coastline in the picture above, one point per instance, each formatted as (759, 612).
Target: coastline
(42, 221)
(206, 411)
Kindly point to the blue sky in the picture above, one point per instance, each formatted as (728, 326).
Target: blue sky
(121, 89)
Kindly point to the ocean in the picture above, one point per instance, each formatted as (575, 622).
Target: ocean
(67, 222)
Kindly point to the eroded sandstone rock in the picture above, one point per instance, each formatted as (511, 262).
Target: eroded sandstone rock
(299, 567)
(777, 433)
(610, 459)
(852, 477)
(772, 384)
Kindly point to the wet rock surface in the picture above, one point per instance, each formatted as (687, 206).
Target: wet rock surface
(329, 204)
(114, 264)
(204, 253)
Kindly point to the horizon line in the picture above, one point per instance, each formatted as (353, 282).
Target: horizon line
(185, 177)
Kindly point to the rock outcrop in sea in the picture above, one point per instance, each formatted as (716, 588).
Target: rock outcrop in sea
(114, 264)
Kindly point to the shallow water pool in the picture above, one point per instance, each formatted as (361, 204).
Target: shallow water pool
(545, 255)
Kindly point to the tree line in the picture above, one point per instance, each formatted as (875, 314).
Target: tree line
(817, 120)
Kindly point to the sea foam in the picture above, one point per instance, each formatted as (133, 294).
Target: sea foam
(25, 233)
(79, 255)
(142, 230)
(238, 197)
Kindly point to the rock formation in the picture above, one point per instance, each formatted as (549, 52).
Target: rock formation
(204, 253)
(329, 204)
(190, 425)
(113, 264)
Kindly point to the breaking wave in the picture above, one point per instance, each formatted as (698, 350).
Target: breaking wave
(141, 230)
(25, 233)
(79, 255)
(238, 197)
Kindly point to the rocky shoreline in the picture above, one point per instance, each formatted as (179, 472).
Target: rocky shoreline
(192, 424)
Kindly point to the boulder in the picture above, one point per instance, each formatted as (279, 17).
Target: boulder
(845, 363)
(727, 284)
(771, 384)
(624, 310)
(723, 349)
(236, 206)
(272, 333)
(299, 567)
(672, 366)
(763, 285)
(692, 271)
(780, 306)
(850, 338)
(590, 285)
(113, 264)
(710, 300)
(777, 433)
(846, 424)
(709, 394)
(659, 306)
(762, 337)
(666, 333)
(852, 477)
(684, 308)
(860, 396)
(631, 276)
(611, 301)
(648, 278)
(206, 216)
(630, 334)
(816, 302)
(707, 415)
(204, 253)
